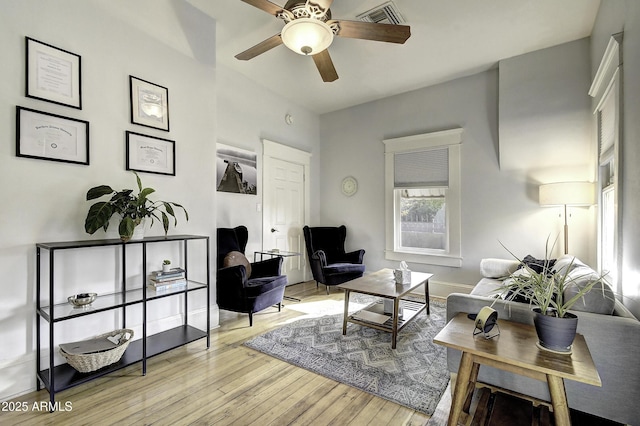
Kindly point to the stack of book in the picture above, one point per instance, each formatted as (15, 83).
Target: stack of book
(173, 279)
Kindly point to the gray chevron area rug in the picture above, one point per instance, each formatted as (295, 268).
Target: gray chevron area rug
(414, 374)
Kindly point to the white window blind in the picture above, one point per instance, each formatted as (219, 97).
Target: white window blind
(421, 168)
(607, 127)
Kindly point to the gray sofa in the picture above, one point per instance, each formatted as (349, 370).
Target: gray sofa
(613, 340)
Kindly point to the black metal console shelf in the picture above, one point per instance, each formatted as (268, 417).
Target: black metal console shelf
(63, 376)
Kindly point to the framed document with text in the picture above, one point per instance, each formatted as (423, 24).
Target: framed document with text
(150, 154)
(53, 74)
(51, 137)
(149, 104)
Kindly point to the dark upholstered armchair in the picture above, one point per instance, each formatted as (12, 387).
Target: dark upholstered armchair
(242, 286)
(330, 264)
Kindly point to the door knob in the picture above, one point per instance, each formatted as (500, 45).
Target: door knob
(274, 230)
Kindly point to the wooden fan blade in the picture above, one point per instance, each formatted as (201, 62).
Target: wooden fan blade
(325, 66)
(267, 6)
(372, 31)
(260, 48)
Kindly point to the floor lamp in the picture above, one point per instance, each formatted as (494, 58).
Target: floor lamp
(567, 194)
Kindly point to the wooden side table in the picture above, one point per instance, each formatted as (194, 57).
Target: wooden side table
(515, 350)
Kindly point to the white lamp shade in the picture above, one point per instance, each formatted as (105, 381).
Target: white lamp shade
(307, 36)
(567, 193)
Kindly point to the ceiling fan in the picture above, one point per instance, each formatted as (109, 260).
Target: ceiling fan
(309, 30)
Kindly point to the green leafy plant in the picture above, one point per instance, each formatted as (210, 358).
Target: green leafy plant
(166, 262)
(132, 209)
(546, 289)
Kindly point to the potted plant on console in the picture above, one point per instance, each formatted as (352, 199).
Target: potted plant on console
(132, 209)
(553, 287)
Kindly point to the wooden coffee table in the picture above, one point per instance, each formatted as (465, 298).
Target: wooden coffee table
(383, 284)
(515, 350)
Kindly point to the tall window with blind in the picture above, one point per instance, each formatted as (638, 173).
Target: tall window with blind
(607, 140)
(423, 198)
(606, 90)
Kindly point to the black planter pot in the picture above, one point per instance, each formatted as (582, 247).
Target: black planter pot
(555, 333)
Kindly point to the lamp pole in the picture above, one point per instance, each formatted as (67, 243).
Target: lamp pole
(566, 232)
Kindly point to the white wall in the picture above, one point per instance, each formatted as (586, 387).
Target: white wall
(247, 114)
(497, 205)
(546, 126)
(44, 200)
(615, 16)
(545, 112)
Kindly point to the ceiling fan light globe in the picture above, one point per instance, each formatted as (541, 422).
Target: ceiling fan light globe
(307, 36)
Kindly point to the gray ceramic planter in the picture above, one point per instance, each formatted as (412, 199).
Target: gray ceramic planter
(555, 333)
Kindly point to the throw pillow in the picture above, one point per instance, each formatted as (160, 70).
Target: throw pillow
(497, 268)
(538, 265)
(234, 258)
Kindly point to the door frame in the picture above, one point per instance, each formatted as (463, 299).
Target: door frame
(274, 150)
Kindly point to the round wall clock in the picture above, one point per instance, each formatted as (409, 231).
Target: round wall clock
(349, 186)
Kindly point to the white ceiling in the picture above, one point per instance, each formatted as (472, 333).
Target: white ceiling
(449, 39)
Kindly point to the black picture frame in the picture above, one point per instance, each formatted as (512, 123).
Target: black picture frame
(149, 104)
(52, 137)
(150, 154)
(53, 74)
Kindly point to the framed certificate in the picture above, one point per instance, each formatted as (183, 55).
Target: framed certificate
(53, 74)
(149, 104)
(51, 137)
(150, 154)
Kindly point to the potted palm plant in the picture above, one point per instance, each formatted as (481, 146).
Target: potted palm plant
(131, 208)
(551, 292)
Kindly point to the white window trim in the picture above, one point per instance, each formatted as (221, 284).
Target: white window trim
(608, 82)
(450, 139)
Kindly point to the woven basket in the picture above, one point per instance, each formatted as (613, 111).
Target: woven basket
(86, 363)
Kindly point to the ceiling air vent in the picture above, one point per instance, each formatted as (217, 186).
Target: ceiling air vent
(386, 13)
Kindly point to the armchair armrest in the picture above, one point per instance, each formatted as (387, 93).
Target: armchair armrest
(319, 256)
(231, 281)
(237, 273)
(356, 256)
(267, 268)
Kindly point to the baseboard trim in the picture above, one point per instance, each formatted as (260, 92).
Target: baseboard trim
(443, 289)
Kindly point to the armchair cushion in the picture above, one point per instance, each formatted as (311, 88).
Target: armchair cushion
(257, 286)
(343, 268)
(234, 258)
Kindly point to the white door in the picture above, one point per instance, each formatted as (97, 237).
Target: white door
(284, 212)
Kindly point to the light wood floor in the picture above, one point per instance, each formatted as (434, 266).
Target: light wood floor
(226, 384)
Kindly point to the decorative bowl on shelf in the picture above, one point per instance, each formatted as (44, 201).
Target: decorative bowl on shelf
(82, 299)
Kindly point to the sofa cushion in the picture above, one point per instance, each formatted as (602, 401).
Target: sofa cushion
(234, 258)
(344, 268)
(600, 300)
(510, 294)
(566, 263)
(488, 287)
(258, 286)
(497, 268)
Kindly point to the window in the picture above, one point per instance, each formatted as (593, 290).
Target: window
(423, 198)
(607, 148)
(605, 90)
